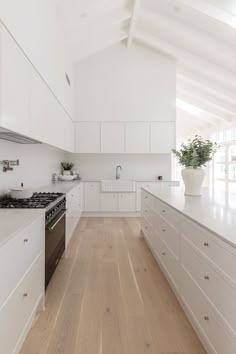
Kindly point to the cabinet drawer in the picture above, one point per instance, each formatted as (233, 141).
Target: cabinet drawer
(148, 231)
(220, 293)
(20, 306)
(167, 213)
(217, 252)
(168, 261)
(18, 254)
(170, 237)
(206, 319)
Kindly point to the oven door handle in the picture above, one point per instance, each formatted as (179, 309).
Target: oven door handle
(55, 224)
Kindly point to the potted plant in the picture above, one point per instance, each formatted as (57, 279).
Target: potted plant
(66, 168)
(193, 156)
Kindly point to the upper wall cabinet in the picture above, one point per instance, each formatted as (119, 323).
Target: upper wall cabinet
(88, 137)
(28, 106)
(15, 73)
(117, 137)
(163, 137)
(137, 137)
(112, 137)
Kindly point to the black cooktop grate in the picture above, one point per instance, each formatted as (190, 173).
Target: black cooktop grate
(37, 201)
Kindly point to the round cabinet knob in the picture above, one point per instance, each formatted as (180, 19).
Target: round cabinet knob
(25, 295)
(163, 211)
(163, 254)
(26, 240)
(206, 244)
(163, 230)
(206, 277)
(206, 318)
(146, 197)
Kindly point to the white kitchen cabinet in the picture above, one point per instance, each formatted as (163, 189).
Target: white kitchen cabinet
(137, 137)
(139, 185)
(127, 202)
(88, 137)
(14, 89)
(92, 196)
(74, 206)
(163, 137)
(203, 277)
(109, 202)
(112, 137)
(22, 290)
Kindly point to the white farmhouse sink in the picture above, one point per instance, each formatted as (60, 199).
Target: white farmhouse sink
(118, 186)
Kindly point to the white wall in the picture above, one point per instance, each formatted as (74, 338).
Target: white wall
(35, 27)
(37, 163)
(120, 84)
(140, 166)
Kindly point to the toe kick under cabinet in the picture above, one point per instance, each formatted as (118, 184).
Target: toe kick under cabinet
(22, 284)
(200, 267)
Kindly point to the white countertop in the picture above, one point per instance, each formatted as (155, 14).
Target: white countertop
(214, 210)
(13, 221)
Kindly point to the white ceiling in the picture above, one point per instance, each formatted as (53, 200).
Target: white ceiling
(199, 34)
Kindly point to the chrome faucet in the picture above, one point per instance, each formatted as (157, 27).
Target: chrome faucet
(118, 170)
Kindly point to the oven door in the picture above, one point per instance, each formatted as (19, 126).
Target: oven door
(54, 244)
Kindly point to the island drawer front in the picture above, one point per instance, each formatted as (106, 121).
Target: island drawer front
(206, 317)
(216, 251)
(220, 293)
(17, 255)
(167, 213)
(19, 307)
(170, 237)
(147, 230)
(168, 261)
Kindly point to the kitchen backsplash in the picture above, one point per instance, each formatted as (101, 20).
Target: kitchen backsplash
(134, 166)
(37, 162)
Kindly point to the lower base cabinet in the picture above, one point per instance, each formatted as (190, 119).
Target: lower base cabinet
(20, 304)
(74, 205)
(205, 287)
(118, 202)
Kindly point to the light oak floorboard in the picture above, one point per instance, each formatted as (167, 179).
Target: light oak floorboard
(109, 296)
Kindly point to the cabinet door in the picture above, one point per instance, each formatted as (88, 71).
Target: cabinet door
(138, 193)
(109, 201)
(163, 136)
(88, 137)
(137, 137)
(127, 202)
(112, 137)
(92, 196)
(15, 75)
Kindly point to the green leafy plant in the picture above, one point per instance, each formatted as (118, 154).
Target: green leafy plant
(196, 153)
(67, 166)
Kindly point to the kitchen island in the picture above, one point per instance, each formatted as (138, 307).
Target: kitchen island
(193, 240)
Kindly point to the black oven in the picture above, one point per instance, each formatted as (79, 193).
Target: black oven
(54, 238)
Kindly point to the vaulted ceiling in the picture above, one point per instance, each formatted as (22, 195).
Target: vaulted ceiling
(199, 34)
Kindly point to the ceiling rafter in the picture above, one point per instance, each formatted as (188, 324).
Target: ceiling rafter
(136, 6)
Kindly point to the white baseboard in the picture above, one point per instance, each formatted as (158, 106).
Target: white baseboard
(111, 214)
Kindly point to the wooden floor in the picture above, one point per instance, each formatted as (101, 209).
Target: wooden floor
(108, 296)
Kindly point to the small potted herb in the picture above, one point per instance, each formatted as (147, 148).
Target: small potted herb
(66, 168)
(193, 156)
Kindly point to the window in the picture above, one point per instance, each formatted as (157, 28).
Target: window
(223, 167)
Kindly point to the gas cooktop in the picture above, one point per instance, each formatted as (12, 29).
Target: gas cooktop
(37, 201)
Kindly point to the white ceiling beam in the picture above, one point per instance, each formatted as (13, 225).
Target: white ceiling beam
(184, 113)
(207, 86)
(189, 96)
(189, 60)
(187, 37)
(211, 11)
(136, 6)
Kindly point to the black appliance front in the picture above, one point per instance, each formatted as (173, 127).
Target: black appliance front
(54, 244)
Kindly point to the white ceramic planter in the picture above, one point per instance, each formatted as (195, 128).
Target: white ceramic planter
(193, 179)
(66, 173)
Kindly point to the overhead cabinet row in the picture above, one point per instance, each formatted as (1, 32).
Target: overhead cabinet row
(28, 106)
(125, 137)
